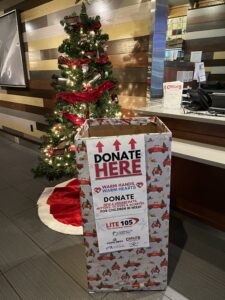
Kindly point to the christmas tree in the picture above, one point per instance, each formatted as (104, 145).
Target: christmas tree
(85, 89)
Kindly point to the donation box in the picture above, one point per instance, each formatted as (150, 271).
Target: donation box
(124, 174)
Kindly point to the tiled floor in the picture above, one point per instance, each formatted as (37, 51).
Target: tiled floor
(37, 263)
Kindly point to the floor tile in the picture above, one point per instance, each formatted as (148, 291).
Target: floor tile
(30, 223)
(3, 184)
(69, 254)
(193, 277)
(15, 246)
(142, 295)
(31, 189)
(6, 291)
(14, 175)
(40, 278)
(13, 202)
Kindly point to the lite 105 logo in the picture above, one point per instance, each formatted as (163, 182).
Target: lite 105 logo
(122, 224)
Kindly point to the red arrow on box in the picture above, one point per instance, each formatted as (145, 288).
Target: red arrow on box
(117, 145)
(132, 143)
(99, 146)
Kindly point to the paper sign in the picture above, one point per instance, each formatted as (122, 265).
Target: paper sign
(118, 181)
(196, 56)
(172, 94)
(199, 73)
(124, 232)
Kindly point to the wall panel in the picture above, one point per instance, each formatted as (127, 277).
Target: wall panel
(206, 33)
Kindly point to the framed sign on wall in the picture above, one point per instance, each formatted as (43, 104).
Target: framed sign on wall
(12, 59)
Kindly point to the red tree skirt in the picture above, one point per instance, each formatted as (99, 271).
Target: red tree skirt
(59, 208)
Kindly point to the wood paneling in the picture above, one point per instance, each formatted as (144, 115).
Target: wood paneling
(219, 55)
(128, 89)
(205, 15)
(43, 65)
(53, 42)
(26, 108)
(44, 9)
(119, 61)
(216, 77)
(128, 30)
(206, 3)
(215, 62)
(130, 60)
(21, 99)
(36, 24)
(178, 11)
(43, 75)
(197, 189)
(205, 26)
(207, 44)
(206, 33)
(118, 47)
(216, 70)
(27, 116)
(213, 134)
(41, 84)
(171, 69)
(19, 124)
(116, 32)
(58, 9)
(131, 74)
(25, 5)
(199, 35)
(42, 127)
(132, 102)
(205, 56)
(31, 92)
(132, 89)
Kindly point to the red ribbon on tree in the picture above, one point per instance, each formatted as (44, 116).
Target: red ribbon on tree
(74, 119)
(96, 26)
(92, 27)
(88, 96)
(70, 63)
(77, 25)
(102, 60)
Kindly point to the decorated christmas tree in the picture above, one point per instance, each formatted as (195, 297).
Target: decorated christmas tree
(85, 89)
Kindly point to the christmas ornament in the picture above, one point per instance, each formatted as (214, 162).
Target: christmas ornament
(88, 85)
(105, 47)
(98, 76)
(92, 33)
(85, 68)
(115, 99)
(72, 148)
(50, 152)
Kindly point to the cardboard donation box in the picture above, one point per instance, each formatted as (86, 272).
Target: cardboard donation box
(124, 174)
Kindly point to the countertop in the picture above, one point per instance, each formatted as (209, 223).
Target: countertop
(156, 108)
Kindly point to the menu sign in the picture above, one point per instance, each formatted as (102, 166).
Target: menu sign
(118, 180)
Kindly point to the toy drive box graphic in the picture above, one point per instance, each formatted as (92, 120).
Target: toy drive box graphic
(124, 174)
